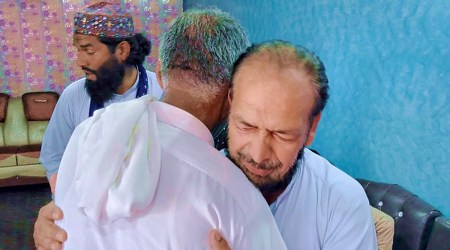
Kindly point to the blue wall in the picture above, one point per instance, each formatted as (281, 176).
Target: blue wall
(388, 62)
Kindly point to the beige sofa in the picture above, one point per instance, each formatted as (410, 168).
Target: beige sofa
(23, 121)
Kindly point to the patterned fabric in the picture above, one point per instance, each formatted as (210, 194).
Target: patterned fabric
(104, 20)
(36, 51)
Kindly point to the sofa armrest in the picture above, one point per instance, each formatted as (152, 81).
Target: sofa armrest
(413, 217)
(440, 235)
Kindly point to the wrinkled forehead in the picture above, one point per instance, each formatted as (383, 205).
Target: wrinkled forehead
(275, 67)
(264, 82)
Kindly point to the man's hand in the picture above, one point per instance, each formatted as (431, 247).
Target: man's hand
(217, 241)
(46, 234)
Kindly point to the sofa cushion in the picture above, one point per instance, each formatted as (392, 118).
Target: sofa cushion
(8, 156)
(39, 106)
(36, 130)
(28, 154)
(4, 98)
(15, 131)
(35, 170)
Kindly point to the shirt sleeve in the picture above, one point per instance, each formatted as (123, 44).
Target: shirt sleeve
(57, 134)
(350, 223)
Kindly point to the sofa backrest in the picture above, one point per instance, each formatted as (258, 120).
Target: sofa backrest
(4, 99)
(413, 217)
(38, 108)
(15, 127)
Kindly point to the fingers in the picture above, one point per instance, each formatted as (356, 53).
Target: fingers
(50, 212)
(46, 234)
(217, 241)
(52, 182)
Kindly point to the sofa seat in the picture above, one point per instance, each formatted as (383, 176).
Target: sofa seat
(16, 172)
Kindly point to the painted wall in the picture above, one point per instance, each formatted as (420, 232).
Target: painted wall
(388, 62)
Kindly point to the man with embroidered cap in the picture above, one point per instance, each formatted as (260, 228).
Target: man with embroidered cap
(144, 174)
(111, 55)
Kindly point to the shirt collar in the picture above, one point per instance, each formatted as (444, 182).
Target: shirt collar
(276, 203)
(132, 89)
(182, 120)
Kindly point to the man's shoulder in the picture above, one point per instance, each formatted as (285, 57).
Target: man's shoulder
(123, 106)
(75, 89)
(332, 178)
(222, 171)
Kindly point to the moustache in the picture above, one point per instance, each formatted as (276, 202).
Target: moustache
(89, 70)
(268, 165)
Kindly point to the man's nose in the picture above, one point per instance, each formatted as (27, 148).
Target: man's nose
(261, 148)
(81, 61)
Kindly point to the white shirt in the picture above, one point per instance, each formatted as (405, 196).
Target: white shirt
(157, 184)
(324, 208)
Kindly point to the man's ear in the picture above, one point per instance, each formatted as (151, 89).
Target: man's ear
(312, 129)
(225, 105)
(123, 51)
(230, 96)
(159, 74)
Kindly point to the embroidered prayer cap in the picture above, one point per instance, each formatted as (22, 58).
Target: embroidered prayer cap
(104, 20)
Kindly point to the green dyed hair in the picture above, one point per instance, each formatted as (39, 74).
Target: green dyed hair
(287, 55)
(205, 42)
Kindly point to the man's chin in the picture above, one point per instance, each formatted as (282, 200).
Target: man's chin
(257, 180)
(263, 173)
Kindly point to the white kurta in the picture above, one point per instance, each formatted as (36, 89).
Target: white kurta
(145, 175)
(324, 209)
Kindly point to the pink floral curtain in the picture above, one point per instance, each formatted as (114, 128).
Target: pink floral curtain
(36, 51)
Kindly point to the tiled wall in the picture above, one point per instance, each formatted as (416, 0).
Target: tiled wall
(389, 68)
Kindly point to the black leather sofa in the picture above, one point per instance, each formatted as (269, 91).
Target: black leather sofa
(418, 225)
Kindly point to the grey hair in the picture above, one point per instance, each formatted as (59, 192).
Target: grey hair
(203, 43)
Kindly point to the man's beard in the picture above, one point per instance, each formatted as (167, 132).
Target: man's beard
(109, 77)
(267, 184)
